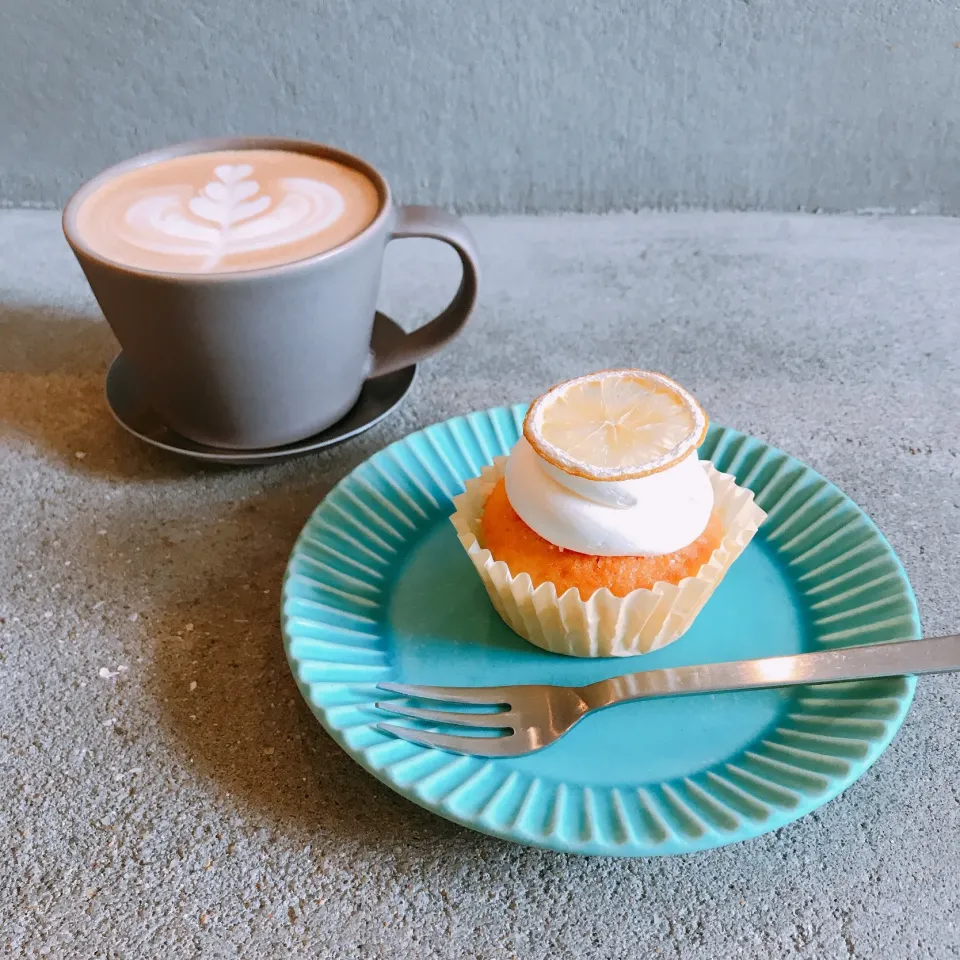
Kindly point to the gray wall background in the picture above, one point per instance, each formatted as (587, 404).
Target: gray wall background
(514, 105)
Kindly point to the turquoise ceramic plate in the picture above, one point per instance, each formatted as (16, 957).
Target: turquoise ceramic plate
(378, 588)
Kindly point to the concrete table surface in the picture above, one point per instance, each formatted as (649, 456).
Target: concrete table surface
(164, 791)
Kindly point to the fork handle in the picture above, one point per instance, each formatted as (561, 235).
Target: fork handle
(935, 655)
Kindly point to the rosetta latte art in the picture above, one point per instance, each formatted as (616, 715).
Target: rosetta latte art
(230, 215)
(226, 211)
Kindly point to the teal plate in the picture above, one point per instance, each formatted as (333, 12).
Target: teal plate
(378, 588)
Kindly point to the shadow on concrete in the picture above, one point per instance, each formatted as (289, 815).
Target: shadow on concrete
(52, 370)
(212, 563)
(244, 724)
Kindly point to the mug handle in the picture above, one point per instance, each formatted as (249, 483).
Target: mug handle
(393, 351)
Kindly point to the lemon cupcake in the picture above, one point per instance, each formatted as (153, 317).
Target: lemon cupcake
(602, 533)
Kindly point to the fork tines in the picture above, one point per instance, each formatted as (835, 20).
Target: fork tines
(480, 696)
(501, 720)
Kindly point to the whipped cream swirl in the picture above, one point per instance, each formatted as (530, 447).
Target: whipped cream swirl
(649, 516)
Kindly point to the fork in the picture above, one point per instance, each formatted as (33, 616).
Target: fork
(530, 717)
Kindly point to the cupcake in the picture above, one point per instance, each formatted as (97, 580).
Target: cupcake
(602, 533)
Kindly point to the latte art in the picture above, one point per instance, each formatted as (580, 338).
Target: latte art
(229, 217)
(199, 214)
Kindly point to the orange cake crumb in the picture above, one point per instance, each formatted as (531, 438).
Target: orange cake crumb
(509, 539)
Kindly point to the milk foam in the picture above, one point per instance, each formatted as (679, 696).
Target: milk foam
(199, 214)
(230, 216)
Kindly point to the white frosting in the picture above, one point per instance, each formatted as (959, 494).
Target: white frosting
(230, 215)
(653, 515)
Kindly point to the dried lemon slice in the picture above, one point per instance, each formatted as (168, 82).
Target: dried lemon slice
(615, 425)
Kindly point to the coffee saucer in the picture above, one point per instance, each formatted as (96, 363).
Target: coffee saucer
(378, 398)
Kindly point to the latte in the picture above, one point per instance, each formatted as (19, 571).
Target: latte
(227, 211)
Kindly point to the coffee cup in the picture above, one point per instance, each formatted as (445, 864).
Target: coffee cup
(241, 275)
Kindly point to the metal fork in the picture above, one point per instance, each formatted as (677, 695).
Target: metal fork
(533, 716)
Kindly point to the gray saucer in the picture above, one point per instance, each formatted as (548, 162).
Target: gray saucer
(378, 398)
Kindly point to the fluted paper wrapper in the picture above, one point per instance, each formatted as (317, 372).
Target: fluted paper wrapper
(604, 625)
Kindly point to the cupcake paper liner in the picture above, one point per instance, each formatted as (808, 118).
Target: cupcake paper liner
(604, 625)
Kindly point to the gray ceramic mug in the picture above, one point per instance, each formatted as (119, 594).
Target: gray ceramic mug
(266, 357)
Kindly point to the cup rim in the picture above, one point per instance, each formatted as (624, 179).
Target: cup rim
(210, 145)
